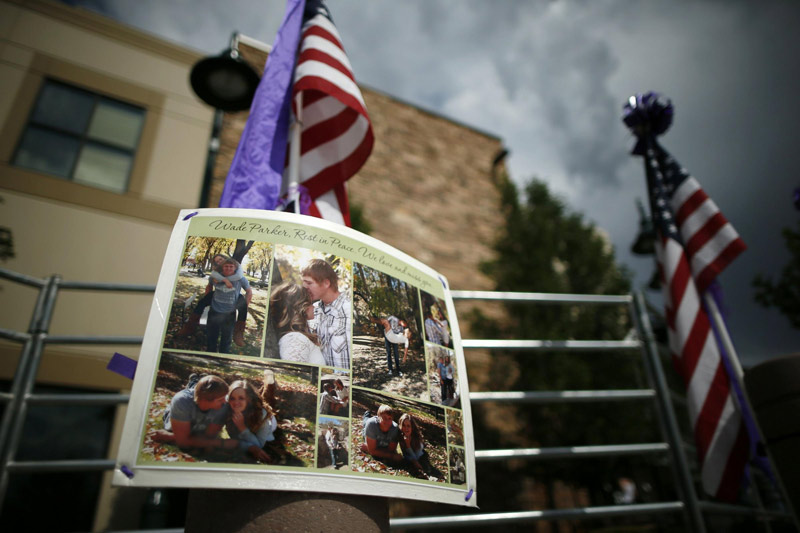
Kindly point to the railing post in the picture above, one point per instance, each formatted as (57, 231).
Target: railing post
(667, 415)
(24, 379)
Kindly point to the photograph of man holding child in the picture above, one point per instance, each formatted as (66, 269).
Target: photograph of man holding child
(220, 297)
(387, 334)
(206, 408)
(310, 310)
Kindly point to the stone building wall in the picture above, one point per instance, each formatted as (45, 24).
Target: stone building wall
(426, 189)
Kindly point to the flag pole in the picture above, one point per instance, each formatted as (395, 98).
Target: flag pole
(724, 336)
(295, 135)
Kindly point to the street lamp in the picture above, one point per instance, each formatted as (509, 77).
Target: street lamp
(225, 82)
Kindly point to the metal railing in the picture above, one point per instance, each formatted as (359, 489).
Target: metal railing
(33, 342)
(21, 395)
(689, 505)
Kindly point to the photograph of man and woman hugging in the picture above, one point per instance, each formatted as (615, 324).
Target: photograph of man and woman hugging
(280, 355)
(206, 408)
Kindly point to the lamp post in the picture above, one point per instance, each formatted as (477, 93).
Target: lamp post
(227, 83)
(645, 243)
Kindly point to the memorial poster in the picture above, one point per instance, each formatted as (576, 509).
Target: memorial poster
(285, 352)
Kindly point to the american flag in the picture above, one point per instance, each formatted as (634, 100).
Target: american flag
(337, 136)
(695, 244)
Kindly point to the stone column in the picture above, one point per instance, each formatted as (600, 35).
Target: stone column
(251, 511)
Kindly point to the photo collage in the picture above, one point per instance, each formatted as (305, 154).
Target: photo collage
(279, 357)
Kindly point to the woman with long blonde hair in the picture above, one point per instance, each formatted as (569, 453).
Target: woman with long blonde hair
(290, 309)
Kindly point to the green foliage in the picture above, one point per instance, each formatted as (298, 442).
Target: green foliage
(358, 221)
(785, 293)
(545, 247)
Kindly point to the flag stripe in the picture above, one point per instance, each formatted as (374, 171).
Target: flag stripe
(325, 45)
(688, 205)
(706, 424)
(719, 453)
(327, 130)
(346, 166)
(322, 77)
(332, 153)
(737, 461)
(725, 257)
(321, 109)
(705, 234)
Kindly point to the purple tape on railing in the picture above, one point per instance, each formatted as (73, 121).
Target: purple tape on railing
(122, 365)
(190, 215)
(127, 471)
(469, 495)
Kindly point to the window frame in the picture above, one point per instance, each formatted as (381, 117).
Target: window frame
(131, 203)
(83, 138)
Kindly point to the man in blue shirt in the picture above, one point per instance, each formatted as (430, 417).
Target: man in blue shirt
(222, 315)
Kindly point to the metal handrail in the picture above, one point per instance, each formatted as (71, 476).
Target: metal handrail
(476, 520)
(569, 452)
(21, 395)
(571, 345)
(566, 396)
(542, 297)
(34, 341)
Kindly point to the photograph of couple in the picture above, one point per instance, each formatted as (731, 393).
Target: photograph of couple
(334, 393)
(309, 308)
(206, 408)
(220, 297)
(332, 443)
(396, 437)
(442, 376)
(387, 341)
(437, 327)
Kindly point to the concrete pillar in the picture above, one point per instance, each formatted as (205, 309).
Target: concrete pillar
(251, 511)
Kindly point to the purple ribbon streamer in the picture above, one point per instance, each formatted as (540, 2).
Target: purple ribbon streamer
(715, 290)
(256, 173)
(122, 365)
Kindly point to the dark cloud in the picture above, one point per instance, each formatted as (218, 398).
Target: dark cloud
(550, 78)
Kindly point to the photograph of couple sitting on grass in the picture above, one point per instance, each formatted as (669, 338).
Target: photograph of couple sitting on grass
(220, 410)
(397, 437)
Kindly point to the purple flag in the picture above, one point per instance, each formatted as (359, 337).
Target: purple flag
(255, 177)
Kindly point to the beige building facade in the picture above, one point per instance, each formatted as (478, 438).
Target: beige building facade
(102, 142)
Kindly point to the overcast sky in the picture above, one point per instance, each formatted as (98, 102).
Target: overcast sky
(550, 78)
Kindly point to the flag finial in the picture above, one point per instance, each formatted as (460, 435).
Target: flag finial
(647, 115)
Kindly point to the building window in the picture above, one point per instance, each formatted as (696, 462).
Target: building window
(81, 136)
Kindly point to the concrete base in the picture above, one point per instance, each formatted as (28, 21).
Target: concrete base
(250, 511)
